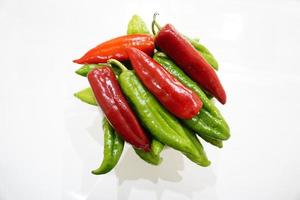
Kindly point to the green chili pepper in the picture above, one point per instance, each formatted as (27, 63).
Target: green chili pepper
(113, 148)
(137, 26)
(209, 122)
(160, 123)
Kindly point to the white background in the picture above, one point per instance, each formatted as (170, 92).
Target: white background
(50, 141)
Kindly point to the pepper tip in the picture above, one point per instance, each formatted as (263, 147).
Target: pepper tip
(206, 163)
(78, 61)
(222, 100)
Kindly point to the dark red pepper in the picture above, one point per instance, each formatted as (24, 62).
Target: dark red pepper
(115, 107)
(176, 98)
(186, 56)
(115, 48)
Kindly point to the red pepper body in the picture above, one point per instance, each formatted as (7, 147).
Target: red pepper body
(115, 48)
(115, 107)
(176, 98)
(186, 56)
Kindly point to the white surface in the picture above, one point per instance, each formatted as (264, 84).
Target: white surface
(49, 141)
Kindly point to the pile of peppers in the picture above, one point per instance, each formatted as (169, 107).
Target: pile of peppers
(155, 90)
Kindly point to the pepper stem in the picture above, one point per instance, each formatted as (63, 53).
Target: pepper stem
(117, 63)
(155, 24)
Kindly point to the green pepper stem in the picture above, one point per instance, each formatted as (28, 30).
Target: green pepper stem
(117, 63)
(155, 24)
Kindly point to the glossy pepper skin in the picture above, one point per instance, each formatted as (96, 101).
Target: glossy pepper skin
(113, 148)
(209, 122)
(158, 121)
(115, 107)
(115, 48)
(176, 98)
(187, 57)
(212, 141)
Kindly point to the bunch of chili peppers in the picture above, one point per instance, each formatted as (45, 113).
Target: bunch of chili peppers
(155, 91)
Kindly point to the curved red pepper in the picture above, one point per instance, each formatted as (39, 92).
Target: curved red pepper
(187, 57)
(115, 48)
(115, 107)
(178, 99)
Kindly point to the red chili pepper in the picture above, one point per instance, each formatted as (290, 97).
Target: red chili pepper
(187, 57)
(178, 99)
(115, 48)
(115, 107)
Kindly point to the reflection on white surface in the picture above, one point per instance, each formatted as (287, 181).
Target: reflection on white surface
(168, 170)
(160, 179)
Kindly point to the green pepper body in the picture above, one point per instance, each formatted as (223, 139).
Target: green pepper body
(198, 146)
(215, 142)
(161, 124)
(209, 122)
(210, 59)
(113, 148)
(205, 53)
(137, 26)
